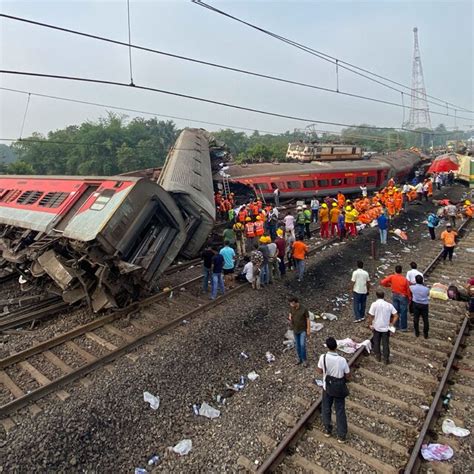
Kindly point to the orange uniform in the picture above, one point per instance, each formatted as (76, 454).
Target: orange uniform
(341, 199)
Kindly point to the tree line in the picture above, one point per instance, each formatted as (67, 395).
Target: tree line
(114, 145)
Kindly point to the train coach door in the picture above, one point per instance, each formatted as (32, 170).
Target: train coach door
(380, 178)
(82, 196)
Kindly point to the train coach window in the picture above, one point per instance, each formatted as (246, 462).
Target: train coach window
(322, 183)
(348, 181)
(29, 197)
(293, 184)
(262, 186)
(53, 199)
(371, 179)
(336, 181)
(309, 183)
(274, 185)
(360, 180)
(102, 199)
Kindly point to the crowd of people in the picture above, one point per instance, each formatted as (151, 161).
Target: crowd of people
(269, 244)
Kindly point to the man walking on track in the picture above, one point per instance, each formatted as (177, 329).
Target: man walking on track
(382, 314)
(421, 299)
(401, 295)
(300, 324)
(360, 289)
(448, 237)
(335, 370)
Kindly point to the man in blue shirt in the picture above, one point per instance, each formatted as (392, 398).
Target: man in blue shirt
(433, 222)
(382, 222)
(421, 297)
(229, 263)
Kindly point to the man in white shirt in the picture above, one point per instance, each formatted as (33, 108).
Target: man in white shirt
(360, 289)
(289, 221)
(382, 315)
(335, 370)
(363, 188)
(247, 271)
(314, 209)
(411, 274)
(419, 191)
(276, 195)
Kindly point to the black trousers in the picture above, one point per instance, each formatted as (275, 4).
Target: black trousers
(432, 233)
(307, 231)
(384, 338)
(420, 310)
(341, 420)
(448, 251)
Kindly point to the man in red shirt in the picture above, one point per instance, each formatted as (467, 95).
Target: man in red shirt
(401, 296)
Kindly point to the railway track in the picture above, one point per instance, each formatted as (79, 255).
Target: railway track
(52, 364)
(393, 409)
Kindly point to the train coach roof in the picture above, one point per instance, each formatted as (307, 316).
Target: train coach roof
(24, 177)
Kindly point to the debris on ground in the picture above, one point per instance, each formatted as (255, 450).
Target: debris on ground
(252, 376)
(349, 346)
(270, 357)
(436, 452)
(315, 327)
(183, 447)
(329, 316)
(449, 427)
(152, 400)
(209, 412)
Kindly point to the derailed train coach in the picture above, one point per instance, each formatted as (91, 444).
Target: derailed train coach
(94, 238)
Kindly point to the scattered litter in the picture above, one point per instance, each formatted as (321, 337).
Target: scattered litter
(449, 427)
(154, 460)
(182, 288)
(140, 470)
(318, 382)
(424, 407)
(470, 250)
(183, 447)
(252, 376)
(436, 452)
(238, 386)
(208, 411)
(329, 316)
(243, 355)
(152, 400)
(166, 289)
(431, 366)
(406, 250)
(270, 357)
(185, 321)
(278, 372)
(196, 409)
(312, 316)
(392, 329)
(400, 233)
(315, 327)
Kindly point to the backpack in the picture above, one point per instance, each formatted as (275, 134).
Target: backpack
(435, 220)
(239, 233)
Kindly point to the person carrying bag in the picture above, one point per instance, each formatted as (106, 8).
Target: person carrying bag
(335, 370)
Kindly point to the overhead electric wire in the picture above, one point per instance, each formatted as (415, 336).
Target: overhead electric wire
(326, 57)
(196, 98)
(221, 66)
(126, 109)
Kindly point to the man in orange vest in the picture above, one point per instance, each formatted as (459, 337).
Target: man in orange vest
(249, 234)
(324, 221)
(334, 218)
(259, 227)
(242, 215)
(341, 199)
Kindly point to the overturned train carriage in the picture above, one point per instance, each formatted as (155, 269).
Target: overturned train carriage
(100, 239)
(187, 176)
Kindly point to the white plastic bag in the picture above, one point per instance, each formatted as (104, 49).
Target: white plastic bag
(252, 376)
(436, 452)
(270, 357)
(329, 316)
(208, 411)
(449, 427)
(315, 327)
(152, 400)
(183, 447)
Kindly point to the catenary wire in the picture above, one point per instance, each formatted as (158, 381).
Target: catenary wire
(326, 57)
(224, 67)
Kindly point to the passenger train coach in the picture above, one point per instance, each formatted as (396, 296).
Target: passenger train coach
(303, 180)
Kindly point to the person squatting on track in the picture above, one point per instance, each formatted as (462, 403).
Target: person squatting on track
(300, 324)
(401, 296)
(382, 314)
(360, 290)
(335, 370)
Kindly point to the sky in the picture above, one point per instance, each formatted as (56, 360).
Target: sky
(376, 35)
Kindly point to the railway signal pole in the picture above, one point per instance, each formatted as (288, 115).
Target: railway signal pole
(419, 111)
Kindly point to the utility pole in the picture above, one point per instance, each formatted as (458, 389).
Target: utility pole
(419, 111)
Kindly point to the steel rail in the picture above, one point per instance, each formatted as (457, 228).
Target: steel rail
(289, 441)
(414, 460)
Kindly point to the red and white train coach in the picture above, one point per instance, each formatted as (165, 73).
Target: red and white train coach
(303, 180)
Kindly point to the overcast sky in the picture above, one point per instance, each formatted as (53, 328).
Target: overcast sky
(376, 35)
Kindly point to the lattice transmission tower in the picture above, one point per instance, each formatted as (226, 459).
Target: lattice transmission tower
(419, 111)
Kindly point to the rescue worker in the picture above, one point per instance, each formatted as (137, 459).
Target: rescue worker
(341, 199)
(468, 209)
(355, 216)
(334, 219)
(348, 221)
(242, 215)
(390, 203)
(239, 231)
(300, 221)
(249, 233)
(307, 221)
(281, 246)
(259, 227)
(324, 221)
(398, 201)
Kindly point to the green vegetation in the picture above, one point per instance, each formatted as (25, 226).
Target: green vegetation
(116, 145)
